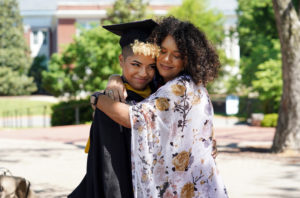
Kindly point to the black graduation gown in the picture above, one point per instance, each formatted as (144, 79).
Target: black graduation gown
(109, 159)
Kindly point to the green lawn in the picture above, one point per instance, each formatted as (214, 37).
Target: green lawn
(23, 107)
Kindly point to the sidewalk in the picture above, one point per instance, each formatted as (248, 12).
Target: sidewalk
(54, 161)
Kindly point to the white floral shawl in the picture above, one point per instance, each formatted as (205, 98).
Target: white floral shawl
(172, 143)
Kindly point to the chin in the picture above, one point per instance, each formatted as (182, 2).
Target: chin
(166, 76)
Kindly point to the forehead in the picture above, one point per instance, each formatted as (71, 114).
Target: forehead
(140, 58)
(169, 43)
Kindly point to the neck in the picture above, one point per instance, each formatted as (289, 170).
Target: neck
(167, 79)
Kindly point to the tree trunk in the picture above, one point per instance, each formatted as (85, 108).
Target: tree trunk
(287, 136)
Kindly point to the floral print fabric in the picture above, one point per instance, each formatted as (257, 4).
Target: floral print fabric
(172, 143)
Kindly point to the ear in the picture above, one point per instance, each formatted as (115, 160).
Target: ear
(21, 189)
(121, 60)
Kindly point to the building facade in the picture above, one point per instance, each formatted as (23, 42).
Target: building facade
(49, 25)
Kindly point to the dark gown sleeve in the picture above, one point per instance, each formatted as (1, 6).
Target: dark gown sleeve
(108, 164)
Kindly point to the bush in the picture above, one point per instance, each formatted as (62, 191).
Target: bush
(270, 120)
(63, 113)
(247, 106)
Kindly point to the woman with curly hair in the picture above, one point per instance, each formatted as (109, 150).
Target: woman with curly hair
(172, 130)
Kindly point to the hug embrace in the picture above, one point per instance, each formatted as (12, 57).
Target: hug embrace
(152, 133)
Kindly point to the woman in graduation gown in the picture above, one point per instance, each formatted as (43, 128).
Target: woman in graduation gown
(171, 140)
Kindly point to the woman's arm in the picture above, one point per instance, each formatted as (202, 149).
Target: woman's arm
(117, 111)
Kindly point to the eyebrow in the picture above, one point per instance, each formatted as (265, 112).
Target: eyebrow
(136, 61)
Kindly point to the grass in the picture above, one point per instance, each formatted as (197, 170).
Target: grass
(23, 107)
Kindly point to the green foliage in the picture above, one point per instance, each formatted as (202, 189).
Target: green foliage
(14, 54)
(38, 66)
(12, 83)
(269, 84)
(270, 120)
(258, 36)
(63, 113)
(208, 20)
(86, 64)
(260, 52)
(124, 11)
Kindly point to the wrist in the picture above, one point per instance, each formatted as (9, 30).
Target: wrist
(94, 97)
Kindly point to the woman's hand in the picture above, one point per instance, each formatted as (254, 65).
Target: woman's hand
(214, 150)
(115, 88)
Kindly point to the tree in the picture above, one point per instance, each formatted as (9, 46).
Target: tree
(86, 64)
(124, 11)
(287, 135)
(212, 23)
(37, 67)
(269, 84)
(14, 54)
(257, 36)
(208, 20)
(260, 64)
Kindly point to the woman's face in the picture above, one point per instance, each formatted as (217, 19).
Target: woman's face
(170, 61)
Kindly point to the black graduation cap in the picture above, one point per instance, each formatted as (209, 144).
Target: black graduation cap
(137, 30)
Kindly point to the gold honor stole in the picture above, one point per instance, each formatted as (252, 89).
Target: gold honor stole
(144, 93)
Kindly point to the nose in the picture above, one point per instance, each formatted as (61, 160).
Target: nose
(166, 57)
(143, 72)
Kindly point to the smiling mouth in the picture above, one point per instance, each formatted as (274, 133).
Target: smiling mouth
(165, 67)
(141, 80)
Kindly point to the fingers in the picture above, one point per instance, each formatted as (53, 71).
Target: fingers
(117, 94)
(116, 85)
(214, 149)
(124, 95)
(214, 154)
(110, 93)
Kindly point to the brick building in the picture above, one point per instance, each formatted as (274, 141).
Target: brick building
(49, 25)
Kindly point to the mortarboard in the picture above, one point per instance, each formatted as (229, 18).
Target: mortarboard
(137, 30)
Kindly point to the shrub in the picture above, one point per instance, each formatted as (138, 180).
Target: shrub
(63, 113)
(270, 120)
(247, 106)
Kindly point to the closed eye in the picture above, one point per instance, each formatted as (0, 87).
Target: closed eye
(163, 51)
(153, 66)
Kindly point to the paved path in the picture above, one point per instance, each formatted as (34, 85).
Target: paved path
(54, 161)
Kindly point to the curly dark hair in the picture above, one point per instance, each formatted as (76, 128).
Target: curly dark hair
(202, 60)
